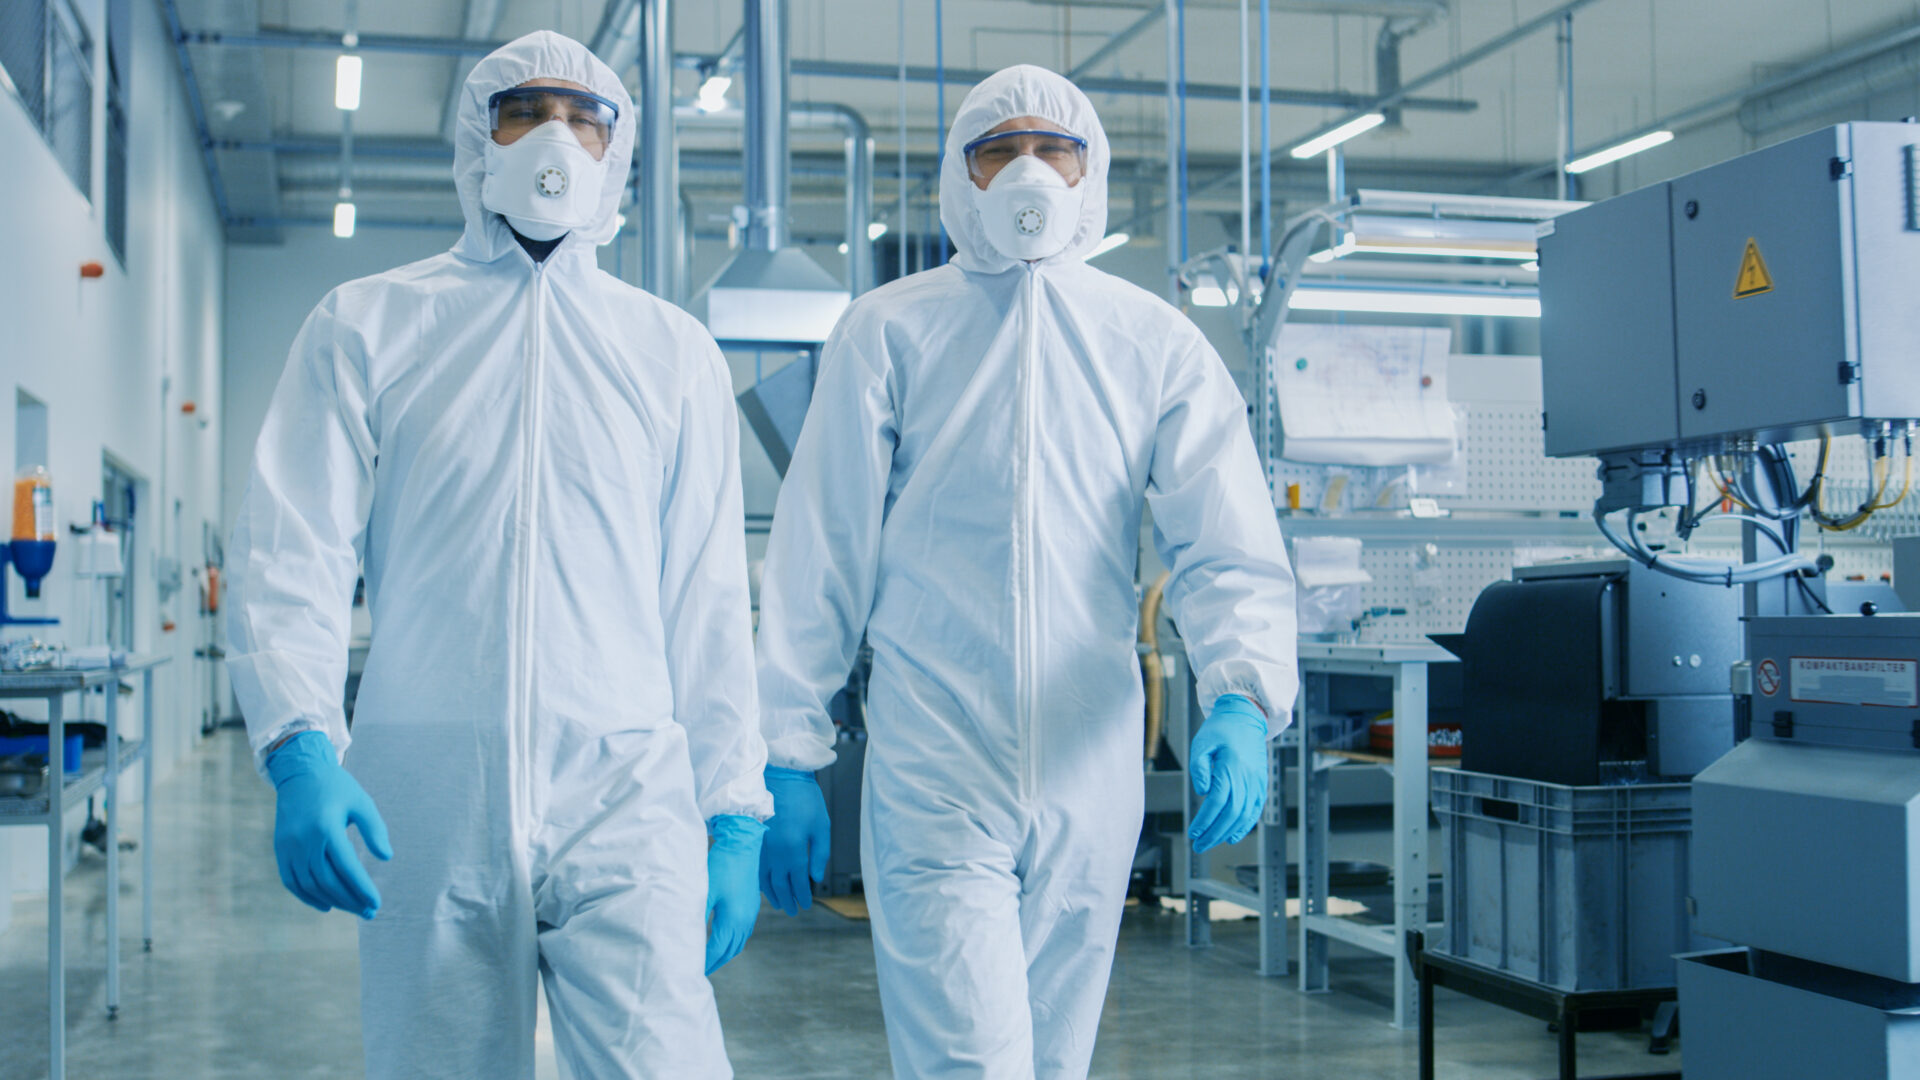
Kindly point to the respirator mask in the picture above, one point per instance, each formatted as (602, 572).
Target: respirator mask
(548, 178)
(1030, 208)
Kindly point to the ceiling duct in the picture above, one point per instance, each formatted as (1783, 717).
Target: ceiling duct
(770, 294)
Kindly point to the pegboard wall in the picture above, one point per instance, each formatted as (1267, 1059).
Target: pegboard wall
(1849, 484)
(1500, 464)
(1436, 582)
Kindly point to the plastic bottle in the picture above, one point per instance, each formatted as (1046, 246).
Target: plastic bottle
(33, 505)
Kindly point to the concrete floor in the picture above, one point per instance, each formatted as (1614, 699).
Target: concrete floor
(245, 982)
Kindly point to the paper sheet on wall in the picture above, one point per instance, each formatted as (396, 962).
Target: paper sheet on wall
(1363, 395)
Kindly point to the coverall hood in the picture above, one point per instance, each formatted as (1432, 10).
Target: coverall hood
(542, 54)
(1021, 90)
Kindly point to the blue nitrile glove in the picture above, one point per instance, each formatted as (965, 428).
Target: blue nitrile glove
(1228, 764)
(799, 838)
(732, 901)
(317, 801)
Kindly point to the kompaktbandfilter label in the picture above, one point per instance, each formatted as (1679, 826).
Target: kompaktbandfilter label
(1840, 680)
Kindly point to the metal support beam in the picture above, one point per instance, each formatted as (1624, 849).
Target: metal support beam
(482, 22)
(1115, 43)
(1403, 97)
(1715, 107)
(276, 38)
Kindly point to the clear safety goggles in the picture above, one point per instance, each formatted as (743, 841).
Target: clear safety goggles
(516, 111)
(987, 155)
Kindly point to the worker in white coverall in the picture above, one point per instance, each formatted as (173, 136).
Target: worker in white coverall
(535, 467)
(967, 493)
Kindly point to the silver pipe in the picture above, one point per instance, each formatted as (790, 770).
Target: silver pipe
(766, 138)
(1173, 152)
(859, 165)
(1246, 173)
(1564, 148)
(658, 158)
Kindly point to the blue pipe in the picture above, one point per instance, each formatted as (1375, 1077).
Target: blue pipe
(1266, 144)
(1180, 38)
(940, 104)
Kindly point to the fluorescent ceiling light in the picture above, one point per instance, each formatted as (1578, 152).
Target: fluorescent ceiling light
(843, 247)
(1467, 238)
(876, 230)
(1620, 150)
(1112, 240)
(346, 83)
(1338, 135)
(343, 220)
(713, 93)
(1404, 302)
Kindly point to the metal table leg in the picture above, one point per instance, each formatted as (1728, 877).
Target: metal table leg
(112, 692)
(146, 810)
(1199, 904)
(1418, 945)
(1569, 1023)
(1273, 867)
(1316, 825)
(56, 956)
(1409, 829)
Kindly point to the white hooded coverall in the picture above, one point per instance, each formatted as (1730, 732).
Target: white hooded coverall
(536, 466)
(967, 492)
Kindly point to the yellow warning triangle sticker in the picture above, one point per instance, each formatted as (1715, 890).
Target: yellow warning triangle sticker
(1754, 278)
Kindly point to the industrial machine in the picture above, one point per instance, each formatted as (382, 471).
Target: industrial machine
(1597, 671)
(1689, 330)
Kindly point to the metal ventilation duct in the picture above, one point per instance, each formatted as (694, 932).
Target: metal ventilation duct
(770, 294)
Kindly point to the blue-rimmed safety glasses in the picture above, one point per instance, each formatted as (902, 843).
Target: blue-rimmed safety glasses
(513, 112)
(988, 154)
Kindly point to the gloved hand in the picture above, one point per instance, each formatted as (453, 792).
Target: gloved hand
(799, 838)
(732, 901)
(317, 801)
(1228, 765)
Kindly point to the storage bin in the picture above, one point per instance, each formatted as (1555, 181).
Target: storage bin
(1575, 888)
(37, 744)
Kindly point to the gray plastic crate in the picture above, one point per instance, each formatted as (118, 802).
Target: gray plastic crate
(1577, 888)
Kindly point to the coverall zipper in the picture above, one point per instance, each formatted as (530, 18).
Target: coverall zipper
(533, 402)
(1025, 663)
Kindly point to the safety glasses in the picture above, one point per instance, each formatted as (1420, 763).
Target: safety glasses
(987, 155)
(516, 111)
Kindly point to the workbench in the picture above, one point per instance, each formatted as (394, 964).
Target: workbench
(99, 771)
(1405, 665)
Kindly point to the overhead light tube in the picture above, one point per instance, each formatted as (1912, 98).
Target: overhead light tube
(876, 230)
(1321, 143)
(343, 220)
(346, 83)
(1619, 150)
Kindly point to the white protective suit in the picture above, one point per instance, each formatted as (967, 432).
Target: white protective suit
(967, 492)
(536, 466)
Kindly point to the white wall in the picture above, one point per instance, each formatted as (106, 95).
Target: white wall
(114, 358)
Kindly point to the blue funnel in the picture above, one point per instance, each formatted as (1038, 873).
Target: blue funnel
(32, 558)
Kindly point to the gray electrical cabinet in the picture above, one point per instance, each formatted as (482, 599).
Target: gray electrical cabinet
(1769, 297)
